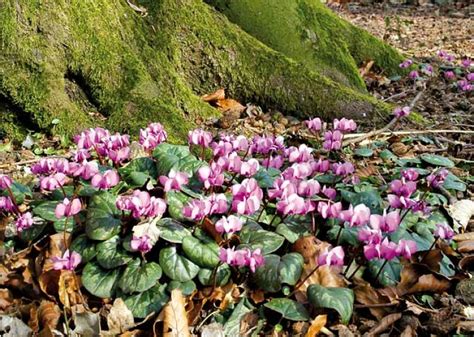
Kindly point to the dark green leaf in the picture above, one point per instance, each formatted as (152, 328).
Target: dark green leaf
(348, 234)
(364, 152)
(371, 199)
(139, 276)
(110, 253)
(265, 178)
(436, 160)
(292, 230)
(328, 179)
(139, 171)
(222, 275)
(289, 309)
(390, 275)
(99, 282)
(454, 183)
(85, 247)
(204, 254)
(175, 157)
(177, 267)
(278, 270)
(176, 202)
(152, 300)
(232, 326)
(172, 230)
(267, 241)
(45, 210)
(187, 288)
(339, 299)
(103, 217)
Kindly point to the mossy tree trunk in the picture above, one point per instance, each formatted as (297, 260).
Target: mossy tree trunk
(98, 62)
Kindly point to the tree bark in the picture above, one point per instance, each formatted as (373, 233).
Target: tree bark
(70, 64)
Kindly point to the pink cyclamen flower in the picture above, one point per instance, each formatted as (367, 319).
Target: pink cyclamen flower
(250, 167)
(141, 243)
(320, 166)
(299, 154)
(466, 63)
(7, 204)
(152, 136)
(242, 257)
(211, 175)
(217, 203)
(273, 161)
(333, 257)
(449, 75)
(282, 188)
(470, 77)
(314, 125)
(401, 112)
(53, 182)
(308, 188)
(427, 69)
(343, 169)
(406, 248)
(199, 137)
(383, 250)
(464, 85)
(298, 171)
(413, 74)
(140, 203)
(403, 188)
(329, 210)
(329, 192)
(24, 221)
(370, 236)
(332, 140)
(69, 261)
(396, 201)
(174, 180)
(255, 259)
(437, 179)
(386, 222)
(196, 209)
(246, 205)
(86, 170)
(81, 155)
(5, 181)
(344, 125)
(68, 208)
(104, 181)
(405, 64)
(230, 224)
(119, 155)
(356, 216)
(443, 231)
(410, 174)
(294, 205)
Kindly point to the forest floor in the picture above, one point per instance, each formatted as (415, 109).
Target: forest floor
(443, 126)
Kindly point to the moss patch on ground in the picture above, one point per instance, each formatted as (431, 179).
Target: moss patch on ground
(98, 62)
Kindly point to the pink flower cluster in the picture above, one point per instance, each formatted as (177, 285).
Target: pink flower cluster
(443, 231)
(247, 197)
(152, 136)
(174, 180)
(242, 258)
(198, 209)
(106, 145)
(437, 179)
(333, 257)
(229, 225)
(24, 221)
(141, 204)
(68, 208)
(401, 112)
(199, 137)
(141, 243)
(6, 204)
(69, 261)
(405, 64)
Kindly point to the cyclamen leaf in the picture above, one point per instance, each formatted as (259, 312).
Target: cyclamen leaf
(110, 253)
(103, 217)
(289, 309)
(339, 299)
(187, 288)
(278, 270)
(175, 157)
(100, 282)
(149, 301)
(172, 230)
(85, 247)
(232, 326)
(176, 266)
(205, 254)
(221, 275)
(267, 241)
(437, 160)
(138, 171)
(139, 277)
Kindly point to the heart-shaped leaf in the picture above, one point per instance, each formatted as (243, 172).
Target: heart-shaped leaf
(19, 191)
(364, 152)
(278, 270)
(339, 299)
(85, 247)
(176, 202)
(292, 230)
(187, 288)
(267, 241)
(437, 160)
(370, 198)
(289, 309)
(265, 178)
(45, 210)
(110, 253)
(99, 282)
(232, 326)
(172, 230)
(220, 276)
(139, 171)
(139, 276)
(204, 254)
(103, 217)
(177, 157)
(390, 275)
(177, 267)
(152, 300)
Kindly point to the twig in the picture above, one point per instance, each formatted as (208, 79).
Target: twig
(376, 305)
(386, 127)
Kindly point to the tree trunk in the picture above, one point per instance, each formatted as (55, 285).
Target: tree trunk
(68, 64)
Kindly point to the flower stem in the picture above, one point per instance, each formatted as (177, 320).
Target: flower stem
(429, 249)
(303, 281)
(354, 272)
(339, 235)
(380, 270)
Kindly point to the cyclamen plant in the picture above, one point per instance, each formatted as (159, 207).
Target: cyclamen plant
(223, 217)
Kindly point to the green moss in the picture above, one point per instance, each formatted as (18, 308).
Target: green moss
(97, 62)
(417, 118)
(308, 32)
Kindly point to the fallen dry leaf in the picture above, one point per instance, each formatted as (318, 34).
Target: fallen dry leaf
(229, 105)
(215, 96)
(120, 318)
(48, 314)
(365, 294)
(6, 299)
(310, 247)
(69, 289)
(57, 247)
(49, 282)
(175, 322)
(466, 246)
(467, 263)
(384, 324)
(247, 322)
(461, 212)
(316, 325)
